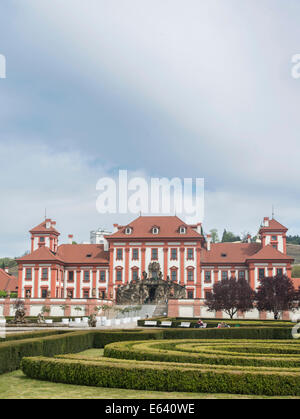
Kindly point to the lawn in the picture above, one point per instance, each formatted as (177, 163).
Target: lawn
(17, 385)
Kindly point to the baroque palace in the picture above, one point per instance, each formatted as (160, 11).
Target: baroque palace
(162, 247)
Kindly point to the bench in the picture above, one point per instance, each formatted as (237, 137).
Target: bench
(150, 323)
(185, 324)
(166, 324)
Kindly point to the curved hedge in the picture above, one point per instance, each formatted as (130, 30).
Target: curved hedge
(60, 342)
(212, 323)
(214, 352)
(159, 376)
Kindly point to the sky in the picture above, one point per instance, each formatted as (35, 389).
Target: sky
(161, 88)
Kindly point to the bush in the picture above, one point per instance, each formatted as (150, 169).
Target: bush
(105, 337)
(229, 333)
(162, 377)
(12, 352)
(212, 352)
(212, 323)
(29, 335)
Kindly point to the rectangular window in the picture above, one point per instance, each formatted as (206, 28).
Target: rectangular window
(134, 275)
(154, 254)
(119, 254)
(45, 273)
(190, 295)
(242, 275)
(261, 273)
(224, 275)
(207, 278)
(279, 271)
(190, 254)
(275, 246)
(28, 274)
(135, 254)
(70, 293)
(86, 276)
(28, 292)
(174, 275)
(274, 238)
(71, 276)
(44, 292)
(102, 276)
(207, 294)
(190, 275)
(119, 275)
(42, 239)
(86, 293)
(173, 254)
(102, 295)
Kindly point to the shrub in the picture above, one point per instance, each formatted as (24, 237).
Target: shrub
(103, 338)
(212, 352)
(162, 377)
(12, 352)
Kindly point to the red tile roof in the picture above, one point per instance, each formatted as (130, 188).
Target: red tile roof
(69, 253)
(235, 252)
(273, 226)
(41, 254)
(8, 282)
(270, 253)
(168, 228)
(83, 253)
(41, 228)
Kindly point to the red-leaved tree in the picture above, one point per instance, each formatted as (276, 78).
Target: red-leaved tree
(276, 294)
(231, 295)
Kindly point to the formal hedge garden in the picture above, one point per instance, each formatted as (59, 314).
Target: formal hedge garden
(257, 361)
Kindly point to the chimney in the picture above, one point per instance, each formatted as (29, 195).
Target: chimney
(249, 238)
(48, 223)
(199, 228)
(266, 222)
(208, 241)
(116, 227)
(6, 269)
(53, 224)
(70, 237)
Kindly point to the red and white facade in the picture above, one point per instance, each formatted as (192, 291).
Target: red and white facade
(185, 255)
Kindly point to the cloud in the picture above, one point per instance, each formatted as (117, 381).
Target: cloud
(153, 87)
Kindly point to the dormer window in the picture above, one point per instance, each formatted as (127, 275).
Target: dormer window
(224, 255)
(182, 230)
(155, 230)
(128, 230)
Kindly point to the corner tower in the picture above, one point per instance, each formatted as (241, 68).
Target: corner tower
(45, 234)
(273, 233)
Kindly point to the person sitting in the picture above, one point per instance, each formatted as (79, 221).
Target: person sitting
(199, 324)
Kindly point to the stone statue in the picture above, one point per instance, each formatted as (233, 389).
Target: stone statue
(20, 312)
(149, 290)
(41, 318)
(92, 320)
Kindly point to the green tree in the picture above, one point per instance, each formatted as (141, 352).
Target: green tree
(228, 236)
(214, 235)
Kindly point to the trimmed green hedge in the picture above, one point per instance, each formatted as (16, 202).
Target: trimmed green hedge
(105, 337)
(29, 335)
(60, 342)
(12, 352)
(205, 352)
(229, 333)
(214, 323)
(162, 377)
